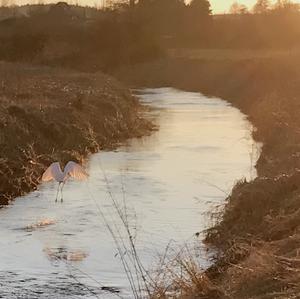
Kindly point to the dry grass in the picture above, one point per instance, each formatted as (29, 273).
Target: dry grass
(258, 235)
(53, 114)
(179, 275)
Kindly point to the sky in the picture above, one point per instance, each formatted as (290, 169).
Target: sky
(218, 6)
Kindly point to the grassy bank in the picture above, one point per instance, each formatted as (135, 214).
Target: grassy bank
(258, 234)
(49, 114)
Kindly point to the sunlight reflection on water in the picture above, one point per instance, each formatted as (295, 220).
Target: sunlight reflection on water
(170, 181)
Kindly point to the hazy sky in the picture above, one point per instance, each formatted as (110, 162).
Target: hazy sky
(218, 6)
(223, 5)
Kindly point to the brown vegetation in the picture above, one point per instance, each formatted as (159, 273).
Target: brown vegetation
(61, 36)
(257, 236)
(104, 39)
(52, 114)
(49, 114)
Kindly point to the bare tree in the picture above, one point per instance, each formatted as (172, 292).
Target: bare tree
(4, 3)
(131, 3)
(286, 5)
(261, 6)
(238, 9)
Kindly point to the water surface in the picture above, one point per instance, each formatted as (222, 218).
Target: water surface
(169, 182)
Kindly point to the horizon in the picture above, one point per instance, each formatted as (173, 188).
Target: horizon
(218, 6)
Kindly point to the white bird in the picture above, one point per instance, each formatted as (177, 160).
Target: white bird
(54, 172)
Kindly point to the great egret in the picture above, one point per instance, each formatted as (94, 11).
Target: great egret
(54, 172)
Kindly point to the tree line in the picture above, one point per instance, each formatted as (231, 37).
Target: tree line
(264, 7)
(129, 32)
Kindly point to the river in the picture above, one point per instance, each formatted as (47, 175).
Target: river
(169, 183)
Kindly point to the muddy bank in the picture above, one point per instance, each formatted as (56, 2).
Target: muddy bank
(258, 232)
(49, 114)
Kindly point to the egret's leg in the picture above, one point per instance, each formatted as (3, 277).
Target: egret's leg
(57, 192)
(62, 187)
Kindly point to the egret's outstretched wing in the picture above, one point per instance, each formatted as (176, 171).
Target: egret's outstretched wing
(75, 171)
(53, 173)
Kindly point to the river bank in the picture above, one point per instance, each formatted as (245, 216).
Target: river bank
(49, 114)
(257, 234)
(162, 204)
